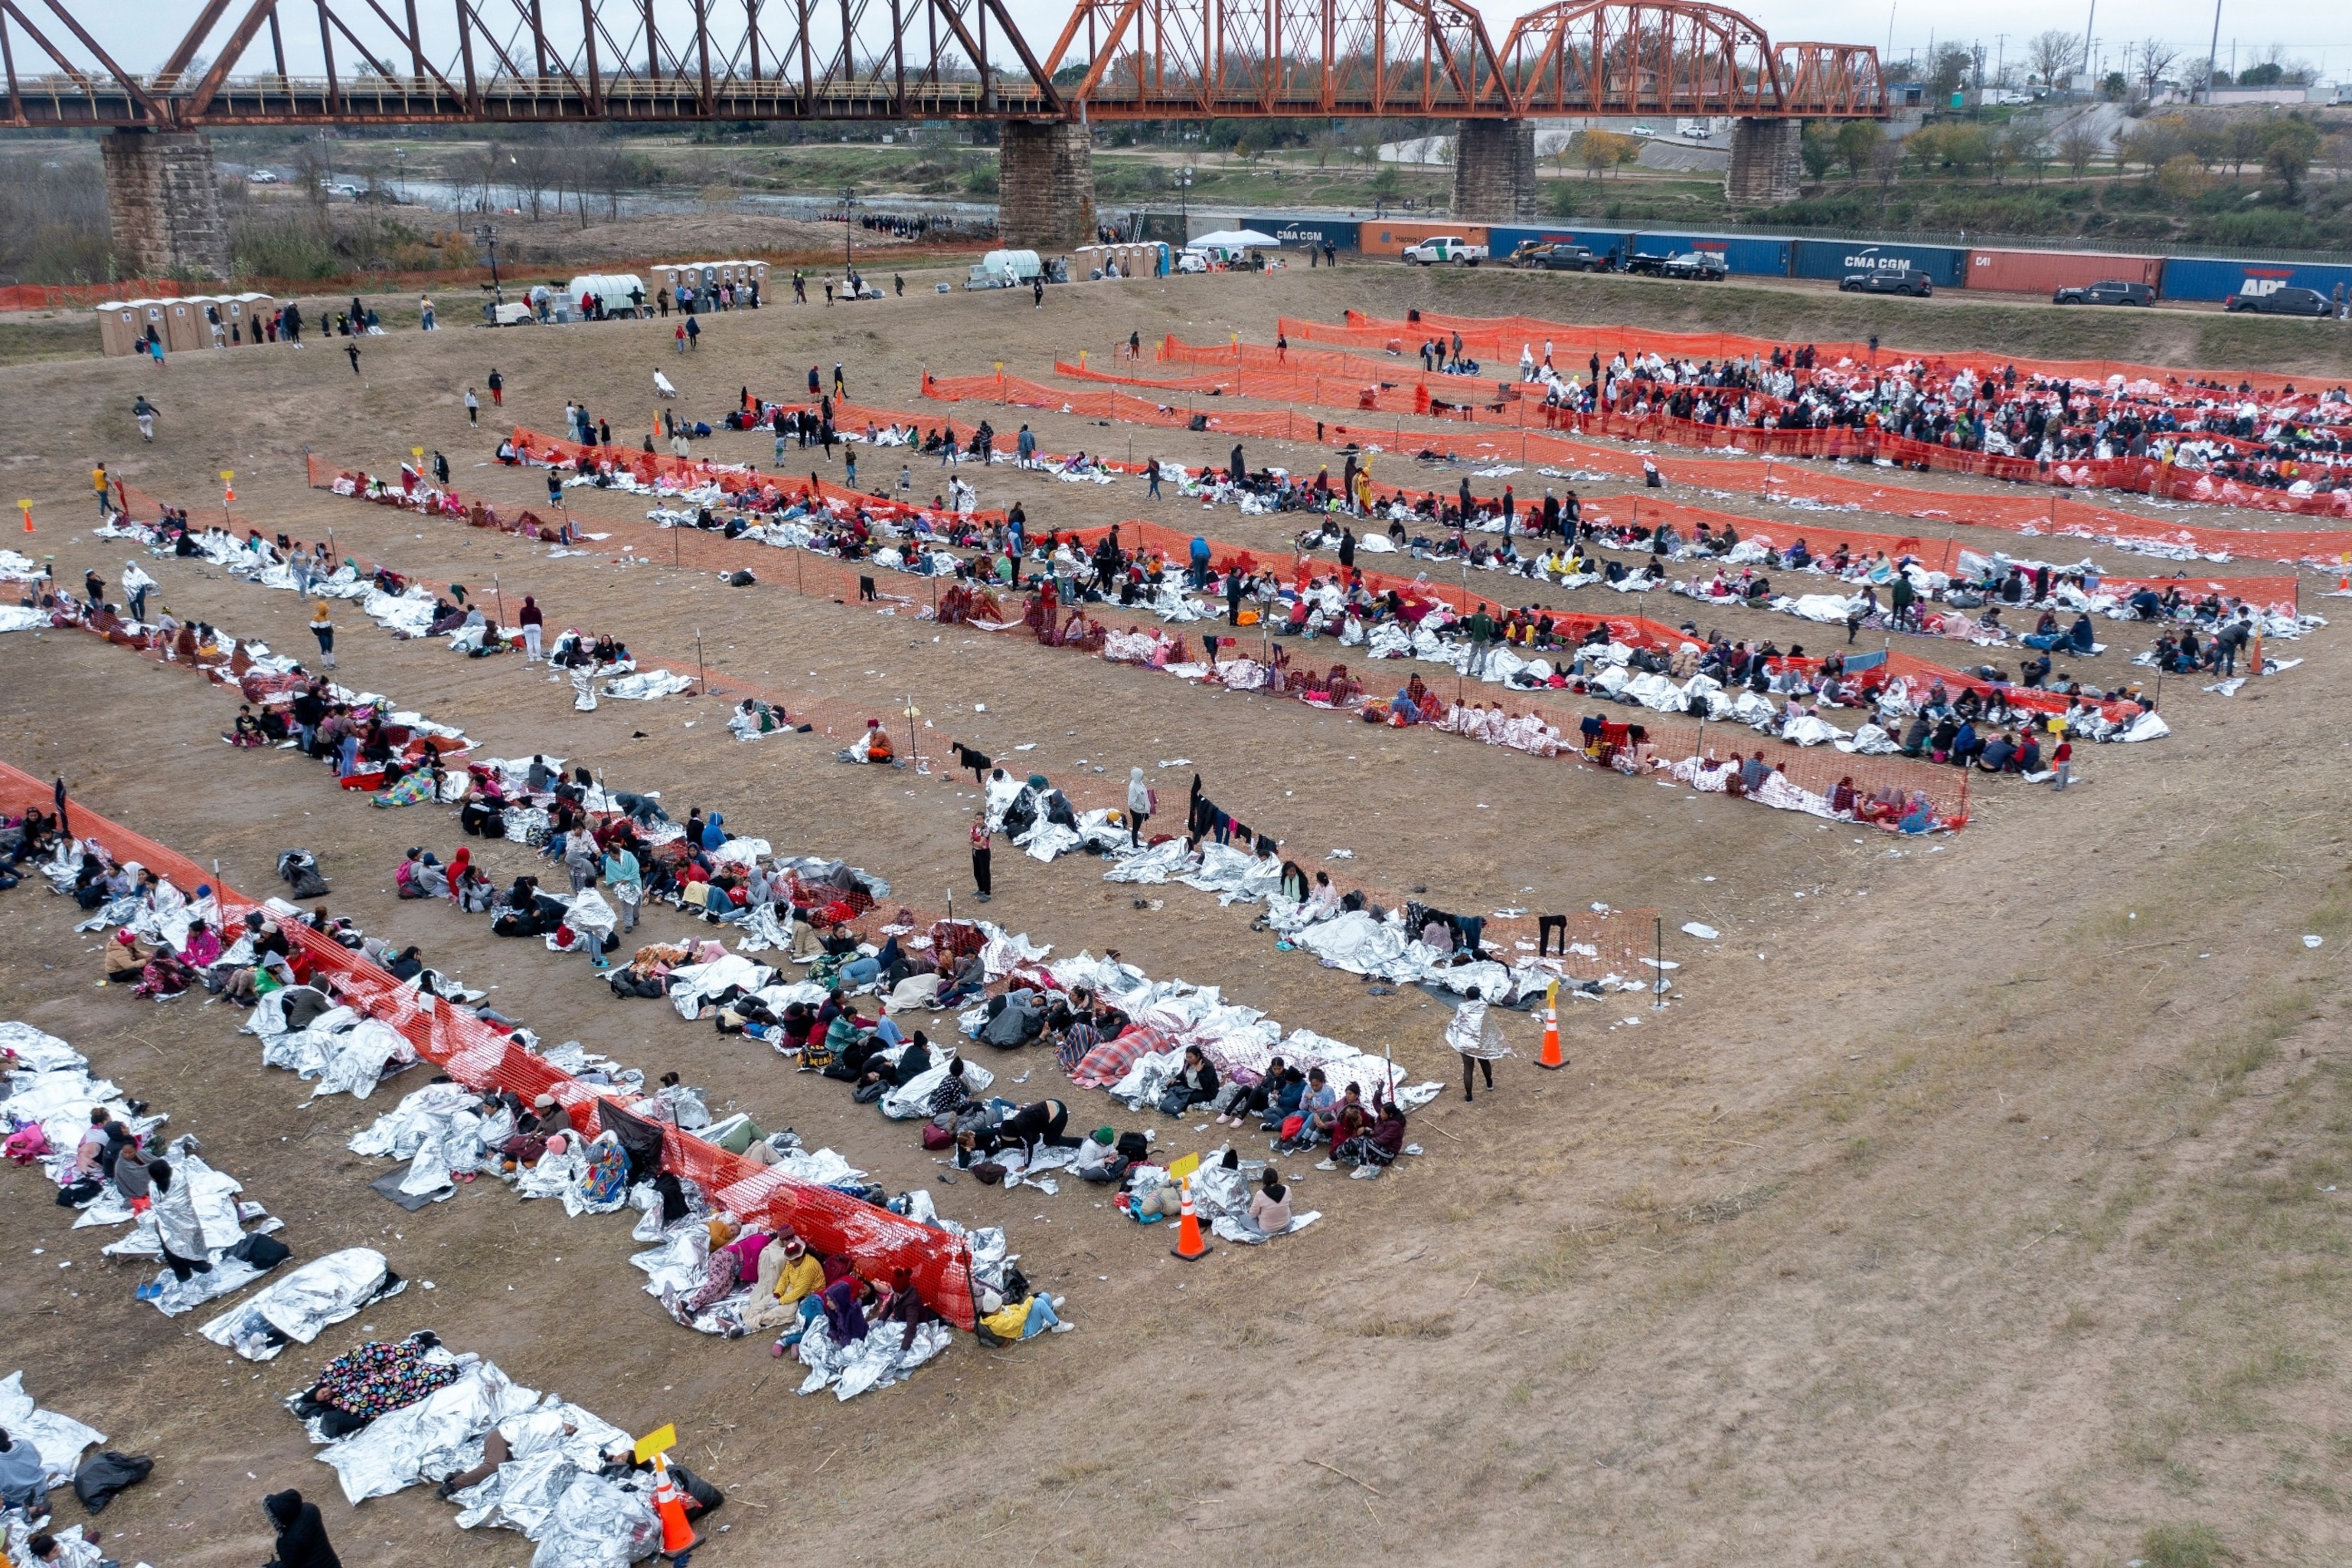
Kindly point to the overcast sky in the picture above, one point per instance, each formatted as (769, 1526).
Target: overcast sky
(140, 32)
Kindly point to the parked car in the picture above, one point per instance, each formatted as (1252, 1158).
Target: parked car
(1643, 131)
(1896, 281)
(1538, 255)
(2282, 303)
(260, 177)
(1699, 266)
(1699, 132)
(2112, 291)
(1445, 248)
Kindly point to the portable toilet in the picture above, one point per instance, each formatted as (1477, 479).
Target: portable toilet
(121, 329)
(185, 330)
(258, 310)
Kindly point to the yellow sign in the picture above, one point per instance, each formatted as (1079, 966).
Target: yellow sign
(227, 473)
(1183, 1167)
(659, 1442)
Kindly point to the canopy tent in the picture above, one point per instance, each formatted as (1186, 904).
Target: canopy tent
(1235, 239)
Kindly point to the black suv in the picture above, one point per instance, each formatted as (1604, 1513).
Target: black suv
(1557, 257)
(1897, 280)
(2282, 303)
(1706, 266)
(2113, 291)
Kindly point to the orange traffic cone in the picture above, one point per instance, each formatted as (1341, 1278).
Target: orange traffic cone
(2343, 583)
(678, 1537)
(1551, 1058)
(1189, 1247)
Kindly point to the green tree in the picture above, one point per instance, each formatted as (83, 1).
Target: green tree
(1818, 149)
(1857, 142)
(2288, 147)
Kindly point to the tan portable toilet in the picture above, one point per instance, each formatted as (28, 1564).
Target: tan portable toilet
(184, 327)
(118, 329)
(258, 310)
(152, 315)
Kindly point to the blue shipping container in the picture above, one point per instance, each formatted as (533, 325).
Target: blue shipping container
(1750, 253)
(1946, 266)
(2200, 277)
(1298, 233)
(1602, 242)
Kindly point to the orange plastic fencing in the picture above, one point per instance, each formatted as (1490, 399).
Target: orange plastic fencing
(478, 1055)
(826, 577)
(1776, 480)
(2144, 476)
(1507, 334)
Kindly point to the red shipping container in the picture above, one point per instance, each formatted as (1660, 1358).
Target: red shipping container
(2044, 271)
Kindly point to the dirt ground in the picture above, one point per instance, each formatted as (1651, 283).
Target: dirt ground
(1987, 1212)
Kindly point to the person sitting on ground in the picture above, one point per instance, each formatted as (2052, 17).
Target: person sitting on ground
(1194, 1083)
(1099, 1160)
(302, 1533)
(1318, 1107)
(1244, 1098)
(24, 1479)
(1269, 1209)
(1376, 1148)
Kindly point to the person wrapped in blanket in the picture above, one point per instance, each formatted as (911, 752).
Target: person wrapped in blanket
(376, 1379)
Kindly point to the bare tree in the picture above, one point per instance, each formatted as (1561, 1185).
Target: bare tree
(2154, 56)
(1886, 165)
(2053, 55)
(529, 165)
(2077, 145)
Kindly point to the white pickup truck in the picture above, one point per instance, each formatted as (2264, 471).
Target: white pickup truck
(1445, 248)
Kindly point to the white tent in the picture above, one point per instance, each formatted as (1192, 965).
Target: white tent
(1235, 239)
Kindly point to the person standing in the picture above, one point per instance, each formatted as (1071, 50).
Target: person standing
(1152, 476)
(97, 482)
(1478, 1038)
(322, 626)
(840, 388)
(473, 407)
(626, 880)
(694, 331)
(531, 621)
(425, 313)
(498, 385)
(144, 412)
(2062, 763)
(1138, 806)
(353, 349)
(979, 850)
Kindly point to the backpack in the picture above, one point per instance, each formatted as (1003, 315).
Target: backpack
(1134, 1148)
(988, 1173)
(935, 1137)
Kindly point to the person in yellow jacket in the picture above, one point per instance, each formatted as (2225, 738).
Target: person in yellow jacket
(789, 1275)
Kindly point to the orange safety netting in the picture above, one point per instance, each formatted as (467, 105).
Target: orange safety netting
(1779, 480)
(978, 607)
(481, 1057)
(2144, 476)
(1509, 334)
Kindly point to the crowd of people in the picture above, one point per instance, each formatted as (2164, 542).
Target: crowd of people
(2282, 440)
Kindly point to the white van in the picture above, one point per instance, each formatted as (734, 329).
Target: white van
(1005, 270)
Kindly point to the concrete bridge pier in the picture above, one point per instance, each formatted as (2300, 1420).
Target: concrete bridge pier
(1766, 163)
(163, 201)
(1045, 186)
(1495, 171)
